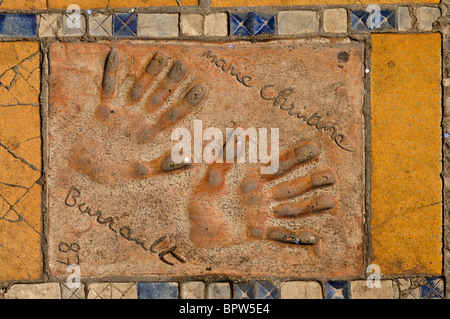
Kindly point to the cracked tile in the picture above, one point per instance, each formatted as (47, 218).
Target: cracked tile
(158, 290)
(73, 25)
(20, 133)
(100, 25)
(29, 207)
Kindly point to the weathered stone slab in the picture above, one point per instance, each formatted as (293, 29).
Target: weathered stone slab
(20, 162)
(118, 206)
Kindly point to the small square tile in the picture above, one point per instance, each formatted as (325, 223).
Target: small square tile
(219, 290)
(158, 290)
(125, 24)
(426, 16)
(337, 290)
(193, 290)
(244, 290)
(158, 25)
(366, 21)
(100, 25)
(18, 25)
(404, 20)
(73, 25)
(72, 293)
(256, 290)
(433, 289)
(112, 290)
(267, 290)
(50, 24)
(251, 24)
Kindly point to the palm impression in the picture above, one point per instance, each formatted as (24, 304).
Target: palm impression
(117, 193)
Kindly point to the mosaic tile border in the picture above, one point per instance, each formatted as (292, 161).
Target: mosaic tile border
(424, 288)
(323, 21)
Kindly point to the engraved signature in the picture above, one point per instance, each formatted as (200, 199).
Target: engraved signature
(126, 232)
(312, 120)
(221, 63)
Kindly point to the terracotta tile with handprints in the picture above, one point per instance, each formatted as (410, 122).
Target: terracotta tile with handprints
(120, 205)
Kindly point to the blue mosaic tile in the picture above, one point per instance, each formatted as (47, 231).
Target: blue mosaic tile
(366, 21)
(267, 290)
(337, 290)
(433, 289)
(125, 24)
(251, 23)
(157, 290)
(244, 290)
(256, 290)
(18, 25)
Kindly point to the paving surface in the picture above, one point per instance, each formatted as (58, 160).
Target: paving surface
(406, 186)
(21, 162)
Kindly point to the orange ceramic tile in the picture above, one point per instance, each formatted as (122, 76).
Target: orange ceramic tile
(406, 153)
(150, 3)
(255, 3)
(23, 4)
(84, 4)
(20, 161)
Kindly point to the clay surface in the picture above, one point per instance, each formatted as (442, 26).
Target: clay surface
(119, 207)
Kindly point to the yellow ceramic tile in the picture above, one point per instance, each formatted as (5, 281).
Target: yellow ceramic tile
(150, 3)
(83, 4)
(406, 153)
(19, 73)
(23, 4)
(20, 250)
(29, 207)
(255, 3)
(22, 140)
(20, 161)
